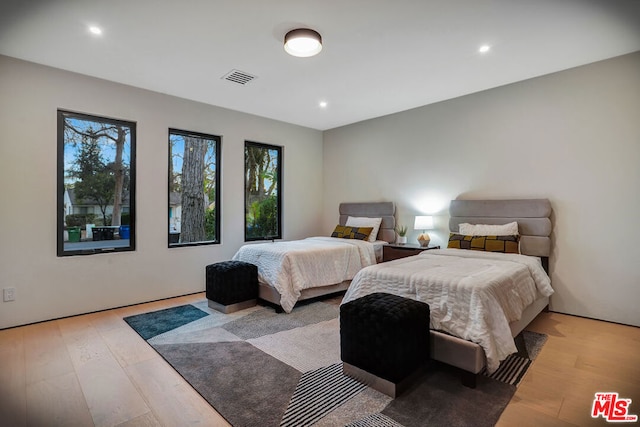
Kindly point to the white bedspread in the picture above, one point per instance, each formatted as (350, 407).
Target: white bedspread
(293, 266)
(471, 294)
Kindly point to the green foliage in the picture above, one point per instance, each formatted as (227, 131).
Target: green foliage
(74, 220)
(401, 230)
(264, 219)
(210, 224)
(261, 190)
(104, 220)
(125, 219)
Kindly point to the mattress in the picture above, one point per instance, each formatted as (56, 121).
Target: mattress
(291, 267)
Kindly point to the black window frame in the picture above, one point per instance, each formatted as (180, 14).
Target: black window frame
(60, 185)
(218, 150)
(279, 169)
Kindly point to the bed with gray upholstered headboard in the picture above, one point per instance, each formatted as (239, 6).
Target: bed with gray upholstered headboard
(274, 288)
(532, 215)
(420, 276)
(384, 210)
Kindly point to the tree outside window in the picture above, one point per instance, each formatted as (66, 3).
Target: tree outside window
(96, 184)
(263, 184)
(194, 202)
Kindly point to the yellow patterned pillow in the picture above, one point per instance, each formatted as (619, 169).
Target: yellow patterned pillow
(504, 244)
(358, 233)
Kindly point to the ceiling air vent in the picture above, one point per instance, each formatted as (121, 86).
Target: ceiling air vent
(240, 77)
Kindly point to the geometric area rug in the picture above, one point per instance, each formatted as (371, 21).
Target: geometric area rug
(260, 368)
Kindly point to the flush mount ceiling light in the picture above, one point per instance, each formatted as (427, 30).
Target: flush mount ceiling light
(302, 42)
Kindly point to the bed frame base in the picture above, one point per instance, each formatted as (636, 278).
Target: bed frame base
(272, 296)
(469, 357)
(469, 379)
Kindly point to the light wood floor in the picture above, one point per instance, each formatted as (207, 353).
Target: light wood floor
(94, 370)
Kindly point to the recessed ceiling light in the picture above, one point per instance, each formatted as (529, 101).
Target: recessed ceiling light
(302, 42)
(323, 104)
(95, 30)
(484, 48)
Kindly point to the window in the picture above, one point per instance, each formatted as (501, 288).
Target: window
(262, 191)
(96, 184)
(194, 196)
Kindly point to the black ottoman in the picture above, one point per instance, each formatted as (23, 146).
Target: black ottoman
(384, 341)
(232, 285)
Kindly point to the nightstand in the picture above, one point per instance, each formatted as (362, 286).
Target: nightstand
(395, 251)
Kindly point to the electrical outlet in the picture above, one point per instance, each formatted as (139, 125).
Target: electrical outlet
(9, 294)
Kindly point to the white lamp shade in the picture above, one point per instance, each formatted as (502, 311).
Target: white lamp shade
(423, 223)
(302, 42)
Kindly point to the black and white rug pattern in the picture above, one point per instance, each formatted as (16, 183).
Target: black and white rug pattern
(256, 367)
(319, 392)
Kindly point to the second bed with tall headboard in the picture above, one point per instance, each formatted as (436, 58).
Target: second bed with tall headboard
(292, 271)
(479, 299)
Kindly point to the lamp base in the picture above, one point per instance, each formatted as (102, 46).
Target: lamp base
(424, 240)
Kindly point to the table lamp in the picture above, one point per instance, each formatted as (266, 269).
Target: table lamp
(423, 223)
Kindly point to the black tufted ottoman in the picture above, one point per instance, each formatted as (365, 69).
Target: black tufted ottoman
(384, 340)
(232, 285)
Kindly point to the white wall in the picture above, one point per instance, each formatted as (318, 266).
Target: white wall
(572, 137)
(50, 287)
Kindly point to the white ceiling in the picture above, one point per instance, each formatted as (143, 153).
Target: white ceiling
(379, 56)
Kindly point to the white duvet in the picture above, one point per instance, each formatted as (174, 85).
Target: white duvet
(473, 295)
(293, 266)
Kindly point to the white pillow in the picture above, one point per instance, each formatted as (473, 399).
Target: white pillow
(363, 221)
(510, 229)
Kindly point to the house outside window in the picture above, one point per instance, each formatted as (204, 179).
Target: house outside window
(96, 184)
